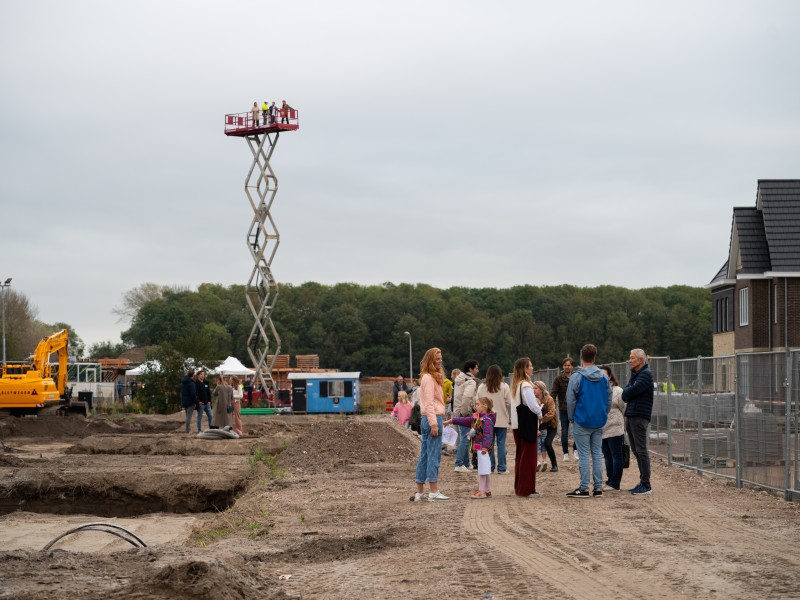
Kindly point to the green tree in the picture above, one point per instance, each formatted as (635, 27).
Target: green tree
(77, 346)
(161, 391)
(106, 349)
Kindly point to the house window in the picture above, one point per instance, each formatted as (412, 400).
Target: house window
(744, 308)
(721, 323)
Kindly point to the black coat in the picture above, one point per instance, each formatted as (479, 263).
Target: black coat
(638, 394)
(203, 391)
(188, 392)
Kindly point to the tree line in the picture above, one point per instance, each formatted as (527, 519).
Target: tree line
(361, 328)
(24, 331)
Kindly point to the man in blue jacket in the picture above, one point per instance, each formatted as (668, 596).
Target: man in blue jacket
(588, 402)
(638, 395)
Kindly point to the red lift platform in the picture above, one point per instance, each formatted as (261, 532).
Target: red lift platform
(242, 124)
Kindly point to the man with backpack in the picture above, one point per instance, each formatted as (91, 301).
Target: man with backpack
(588, 402)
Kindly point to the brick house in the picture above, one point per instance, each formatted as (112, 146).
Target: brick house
(755, 296)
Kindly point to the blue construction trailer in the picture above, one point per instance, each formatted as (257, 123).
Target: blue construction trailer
(325, 392)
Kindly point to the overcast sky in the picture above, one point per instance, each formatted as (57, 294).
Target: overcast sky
(450, 143)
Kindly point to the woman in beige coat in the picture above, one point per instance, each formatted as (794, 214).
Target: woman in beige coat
(495, 388)
(614, 434)
(223, 404)
(236, 415)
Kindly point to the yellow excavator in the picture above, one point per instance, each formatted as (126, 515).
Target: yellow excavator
(27, 388)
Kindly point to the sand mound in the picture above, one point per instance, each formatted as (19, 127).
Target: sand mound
(327, 444)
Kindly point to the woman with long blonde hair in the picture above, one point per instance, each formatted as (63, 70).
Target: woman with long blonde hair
(525, 415)
(431, 401)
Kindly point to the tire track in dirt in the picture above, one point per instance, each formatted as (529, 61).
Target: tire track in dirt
(706, 521)
(508, 525)
(766, 566)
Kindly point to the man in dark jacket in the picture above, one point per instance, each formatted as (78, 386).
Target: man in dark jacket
(189, 397)
(559, 393)
(638, 395)
(399, 385)
(203, 399)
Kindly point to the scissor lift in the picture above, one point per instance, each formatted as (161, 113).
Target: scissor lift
(260, 187)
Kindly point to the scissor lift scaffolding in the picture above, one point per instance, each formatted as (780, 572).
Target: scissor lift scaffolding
(260, 187)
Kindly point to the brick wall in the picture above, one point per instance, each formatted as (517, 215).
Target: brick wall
(760, 313)
(724, 344)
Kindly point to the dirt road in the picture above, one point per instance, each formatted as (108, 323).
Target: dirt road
(318, 507)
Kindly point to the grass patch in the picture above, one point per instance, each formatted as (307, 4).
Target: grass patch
(270, 461)
(372, 403)
(251, 522)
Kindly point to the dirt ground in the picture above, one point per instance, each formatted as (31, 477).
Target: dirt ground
(318, 507)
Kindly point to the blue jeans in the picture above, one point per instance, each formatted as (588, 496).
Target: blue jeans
(462, 453)
(430, 453)
(189, 410)
(500, 434)
(201, 408)
(612, 452)
(589, 441)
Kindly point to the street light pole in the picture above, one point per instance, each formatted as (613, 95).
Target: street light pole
(5, 287)
(410, 361)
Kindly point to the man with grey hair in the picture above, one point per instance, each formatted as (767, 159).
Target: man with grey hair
(638, 395)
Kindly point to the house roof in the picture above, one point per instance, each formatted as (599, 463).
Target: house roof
(754, 252)
(779, 201)
(765, 238)
(720, 276)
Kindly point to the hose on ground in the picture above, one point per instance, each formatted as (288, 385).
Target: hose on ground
(109, 528)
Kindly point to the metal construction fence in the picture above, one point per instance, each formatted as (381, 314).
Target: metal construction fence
(730, 416)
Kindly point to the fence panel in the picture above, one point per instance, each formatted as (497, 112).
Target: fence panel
(675, 404)
(761, 419)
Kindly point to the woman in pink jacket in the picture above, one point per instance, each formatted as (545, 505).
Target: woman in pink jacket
(431, 403)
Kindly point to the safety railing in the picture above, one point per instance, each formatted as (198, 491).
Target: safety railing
(278, 119)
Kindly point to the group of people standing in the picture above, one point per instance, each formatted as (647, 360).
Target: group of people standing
(226, 398)
(270, 113)
(589, 399)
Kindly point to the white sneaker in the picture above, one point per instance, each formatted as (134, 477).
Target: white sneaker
(566, 457)
(461, 469)
(417, 497)
(433, 497)
(575, 453)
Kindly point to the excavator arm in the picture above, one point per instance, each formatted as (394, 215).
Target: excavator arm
(58, 342)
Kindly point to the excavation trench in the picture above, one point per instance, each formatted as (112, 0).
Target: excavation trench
(108, 475)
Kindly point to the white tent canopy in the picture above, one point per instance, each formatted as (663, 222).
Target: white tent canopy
(146, 367)
(232, 366)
